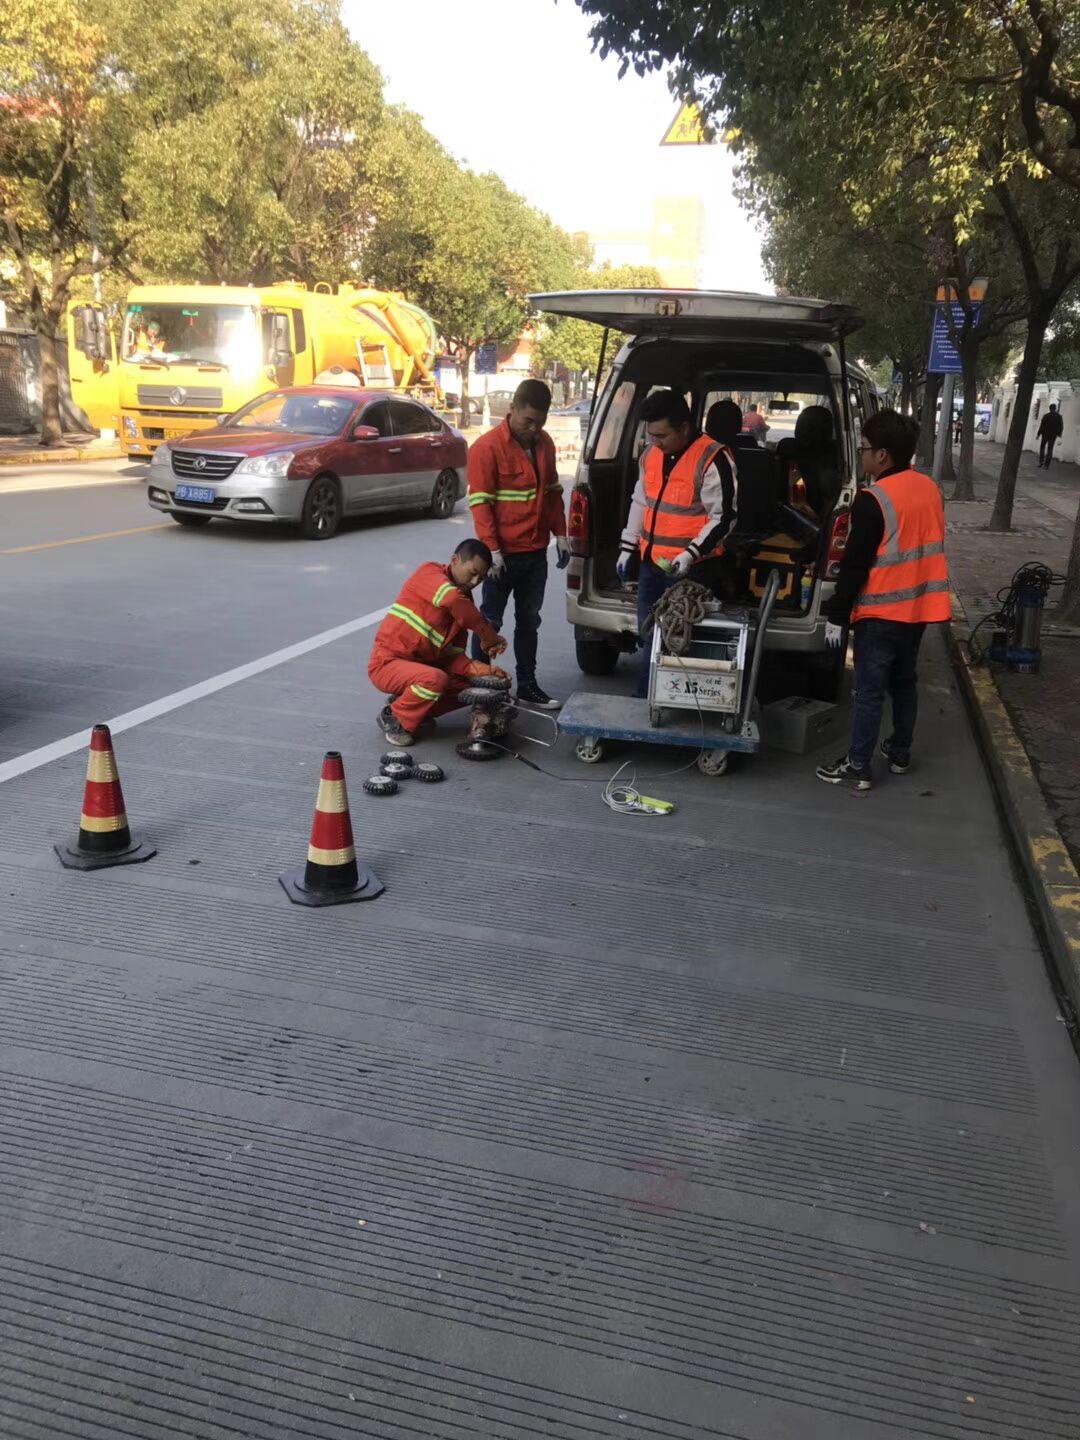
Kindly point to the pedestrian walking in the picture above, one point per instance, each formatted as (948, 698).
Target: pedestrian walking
(1051, 429)
(517, 506)
(893, 582)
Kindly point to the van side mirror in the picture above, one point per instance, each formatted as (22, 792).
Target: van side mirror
(365, 432)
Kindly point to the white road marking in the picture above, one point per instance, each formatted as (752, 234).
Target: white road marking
(34, 759)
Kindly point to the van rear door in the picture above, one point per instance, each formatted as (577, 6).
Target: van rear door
(712, 313)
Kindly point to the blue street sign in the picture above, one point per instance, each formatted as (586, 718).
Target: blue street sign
(944, 356)
(897, 376)
(487, 359)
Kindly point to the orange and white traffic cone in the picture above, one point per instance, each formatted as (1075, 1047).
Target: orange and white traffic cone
(332, 875)
(104, 835)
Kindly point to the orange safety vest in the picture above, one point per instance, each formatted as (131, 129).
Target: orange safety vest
(674, 513)
(909, 580)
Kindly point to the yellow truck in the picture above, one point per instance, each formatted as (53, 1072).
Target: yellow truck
(188, 354)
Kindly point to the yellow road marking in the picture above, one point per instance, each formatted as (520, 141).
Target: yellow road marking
(84, 539)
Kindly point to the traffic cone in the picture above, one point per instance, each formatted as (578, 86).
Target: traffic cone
(104, 837)
(331, 875)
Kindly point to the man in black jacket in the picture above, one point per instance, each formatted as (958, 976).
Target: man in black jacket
(1051, 429)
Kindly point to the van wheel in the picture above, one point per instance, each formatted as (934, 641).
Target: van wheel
(595, 657)
(444, 496)
(193, 521)
(321, 516)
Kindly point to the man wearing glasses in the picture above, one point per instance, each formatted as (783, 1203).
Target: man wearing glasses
(892, 583)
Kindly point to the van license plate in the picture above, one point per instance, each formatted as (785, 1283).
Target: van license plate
(196, 494)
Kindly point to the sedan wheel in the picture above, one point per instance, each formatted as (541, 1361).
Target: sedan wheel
(444, 496)
(322, 509)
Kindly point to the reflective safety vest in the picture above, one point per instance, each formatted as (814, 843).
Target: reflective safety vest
(429, 620)
(909, 580)
(674, 514)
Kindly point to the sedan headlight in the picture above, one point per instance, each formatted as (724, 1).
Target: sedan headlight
(162, 457)
(270, 467)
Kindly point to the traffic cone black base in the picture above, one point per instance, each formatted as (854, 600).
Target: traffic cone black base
(332, 875)
(72, 858)
(367, 887)
(104, 836)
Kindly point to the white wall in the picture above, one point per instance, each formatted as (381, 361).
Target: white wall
(1065, 394)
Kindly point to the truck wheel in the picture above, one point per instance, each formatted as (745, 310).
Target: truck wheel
(444, 496)
(193, 521)
(595, 657)
(321, 515)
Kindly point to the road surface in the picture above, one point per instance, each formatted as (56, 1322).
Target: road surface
(757, 1122)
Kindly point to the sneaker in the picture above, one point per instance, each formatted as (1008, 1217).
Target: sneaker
(899, 763)
(392, 729)
(844, 773)
(533, 695)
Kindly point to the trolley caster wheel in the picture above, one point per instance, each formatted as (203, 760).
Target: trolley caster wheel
(713, 762)
(589, 751)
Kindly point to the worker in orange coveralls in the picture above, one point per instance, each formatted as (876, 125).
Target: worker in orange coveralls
(419, 654)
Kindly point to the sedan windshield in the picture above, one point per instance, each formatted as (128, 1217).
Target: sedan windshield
(299, 414)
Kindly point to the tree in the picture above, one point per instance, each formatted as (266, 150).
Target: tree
(462, 245)
(251, 128)
(576, 343)
(888, 109)
(52, 86)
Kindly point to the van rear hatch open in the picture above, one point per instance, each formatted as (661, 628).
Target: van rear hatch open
(696, 313)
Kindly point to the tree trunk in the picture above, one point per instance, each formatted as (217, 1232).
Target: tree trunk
(1001, 519)
(965, 480)
(948, 469)
(52, 429)
(907, 390)
(1068, 612)
(931, 391)
(463, 361)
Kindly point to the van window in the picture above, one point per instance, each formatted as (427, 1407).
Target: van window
(607, 445)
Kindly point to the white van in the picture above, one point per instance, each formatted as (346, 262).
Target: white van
(707, 345)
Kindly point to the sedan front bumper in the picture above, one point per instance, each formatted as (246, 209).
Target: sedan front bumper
(240, 497)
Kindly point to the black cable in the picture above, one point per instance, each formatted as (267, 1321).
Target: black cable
(1033, 575)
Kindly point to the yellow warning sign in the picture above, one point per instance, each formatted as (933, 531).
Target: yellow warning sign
(686, 128)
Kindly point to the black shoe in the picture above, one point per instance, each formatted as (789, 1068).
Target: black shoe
(392, 728)
(539, 699)
(844, 773)
(899, 761)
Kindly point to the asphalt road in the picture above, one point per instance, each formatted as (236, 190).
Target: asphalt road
(756, 1122)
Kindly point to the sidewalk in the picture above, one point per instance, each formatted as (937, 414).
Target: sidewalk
(25, 449)
(1041, 711)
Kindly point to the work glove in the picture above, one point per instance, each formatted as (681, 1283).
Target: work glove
(834, 635)
(497, 647)
(681, 564)
(476, 668)
(622, 564)
(562, 552)
(498, 565)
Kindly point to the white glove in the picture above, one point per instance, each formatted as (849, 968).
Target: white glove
(681, 564)
(562, 552)
(498, 565)
(622, 564)
(834, 634)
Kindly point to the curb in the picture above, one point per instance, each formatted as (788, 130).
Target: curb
(64, 457)
(1043, 854)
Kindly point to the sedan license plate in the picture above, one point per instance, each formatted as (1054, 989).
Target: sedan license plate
(196, 494)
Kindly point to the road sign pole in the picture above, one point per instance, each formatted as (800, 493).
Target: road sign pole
(944, 433)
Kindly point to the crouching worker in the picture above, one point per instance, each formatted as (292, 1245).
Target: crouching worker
(419, 652)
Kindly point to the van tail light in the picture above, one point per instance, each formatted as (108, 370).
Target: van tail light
(838, 538)
(579, 523)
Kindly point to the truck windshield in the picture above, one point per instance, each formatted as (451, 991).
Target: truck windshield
(191, 334)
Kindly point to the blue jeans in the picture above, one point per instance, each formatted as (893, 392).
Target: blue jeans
(524, 578)
(652, 583)
(886, 652)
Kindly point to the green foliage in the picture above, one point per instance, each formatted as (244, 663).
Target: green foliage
(576, 343)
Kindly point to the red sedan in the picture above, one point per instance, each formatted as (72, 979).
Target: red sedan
(309, 456)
